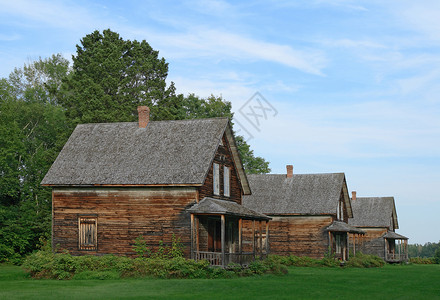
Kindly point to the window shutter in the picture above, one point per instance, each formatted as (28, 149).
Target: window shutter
(88, 235)
(226, 181)
(216, 179)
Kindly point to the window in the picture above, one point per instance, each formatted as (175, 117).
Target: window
(216, 179)
(226, 172)
(88, 237)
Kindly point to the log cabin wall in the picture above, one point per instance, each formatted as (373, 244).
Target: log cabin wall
(373, 242)
(296, 235)
(224, 158)
(122, 215)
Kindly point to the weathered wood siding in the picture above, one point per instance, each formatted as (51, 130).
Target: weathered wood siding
(122, 215)
(297, 235)
(224, 158)
(373, 242)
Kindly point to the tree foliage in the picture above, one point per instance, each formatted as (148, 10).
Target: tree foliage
(426, 250)
(32, 132)
(111, 77)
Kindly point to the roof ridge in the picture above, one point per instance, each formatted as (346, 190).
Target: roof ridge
(157, 121)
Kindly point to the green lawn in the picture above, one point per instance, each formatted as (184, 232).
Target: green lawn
(390, 282)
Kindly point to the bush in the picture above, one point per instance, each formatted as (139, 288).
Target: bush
(361, 260)
(45, 264)
(422, 260)
(358, 261)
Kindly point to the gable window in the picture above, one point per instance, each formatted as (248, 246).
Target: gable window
(88, 237)
(216, 179)
(226, 181)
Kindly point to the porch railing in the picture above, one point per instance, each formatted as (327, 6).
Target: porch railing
(396, 257)
(215, 258)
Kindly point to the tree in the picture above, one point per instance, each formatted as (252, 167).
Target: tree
(437, 256)
(40, 80)
(252, 164)
(111, 77)
(33, 129)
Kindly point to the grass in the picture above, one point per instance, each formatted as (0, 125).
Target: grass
(389, 282)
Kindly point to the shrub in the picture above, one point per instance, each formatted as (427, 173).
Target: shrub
(422, 260)
(140, 247)
(361, 260)
(45, 264)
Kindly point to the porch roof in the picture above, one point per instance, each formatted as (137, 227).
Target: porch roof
(393, 235)
(213, 206)
(338, 226)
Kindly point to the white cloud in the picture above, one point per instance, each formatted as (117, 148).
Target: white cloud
(55, 14)
(200, 43)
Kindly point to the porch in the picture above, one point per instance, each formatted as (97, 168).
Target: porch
(396, 247)
(224, 232)
(339, 234)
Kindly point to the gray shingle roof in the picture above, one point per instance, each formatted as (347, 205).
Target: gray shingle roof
(339, 226)
(223, 207)
(166, 152)
(301, 194)
(373, 212)
(393, 235)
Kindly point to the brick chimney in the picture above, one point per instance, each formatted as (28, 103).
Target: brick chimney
(289, 171)
(353, 196)
(144, 116)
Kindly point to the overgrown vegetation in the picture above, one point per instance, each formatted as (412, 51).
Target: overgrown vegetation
(48, 265)
(422, 260)
(358, 261)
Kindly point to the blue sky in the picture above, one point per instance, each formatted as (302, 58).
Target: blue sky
(347, 86)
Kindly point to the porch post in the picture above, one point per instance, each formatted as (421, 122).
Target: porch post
(385, 248)
(223, 240)
(261, 238)
(240, 239)
(192, 237)
(197, 236)
(330, 246)
(347, 246)
(253, 238)
(267, 237)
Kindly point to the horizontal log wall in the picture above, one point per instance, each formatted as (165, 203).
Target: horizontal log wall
(373, 242)
(299, 235)
(122, 215)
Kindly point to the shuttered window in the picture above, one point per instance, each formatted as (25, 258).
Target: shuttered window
(226, 191)
(216, 179)
(88, 237)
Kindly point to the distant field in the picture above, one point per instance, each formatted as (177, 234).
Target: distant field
(390, 282)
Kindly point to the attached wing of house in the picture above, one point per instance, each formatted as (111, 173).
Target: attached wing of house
(309, 212)
(377, 217)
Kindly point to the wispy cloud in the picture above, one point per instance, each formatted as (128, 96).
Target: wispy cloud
(55, 14)
(219, 44)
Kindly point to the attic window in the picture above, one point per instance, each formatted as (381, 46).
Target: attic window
(216, 179)
(226, 181)
(88, 236)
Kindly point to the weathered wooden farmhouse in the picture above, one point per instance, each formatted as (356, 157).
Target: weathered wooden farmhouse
(377, 217)
(114, 182)
(309, 212)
